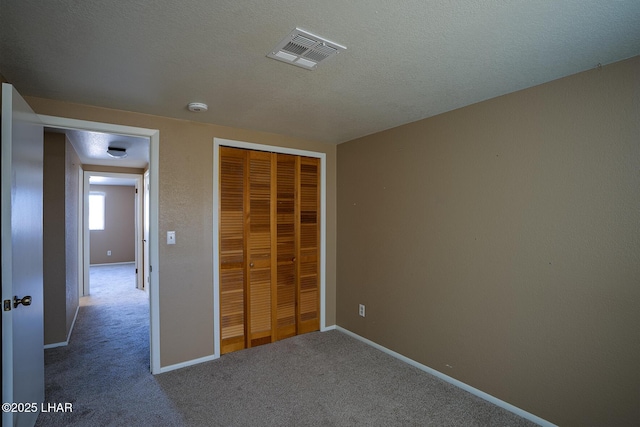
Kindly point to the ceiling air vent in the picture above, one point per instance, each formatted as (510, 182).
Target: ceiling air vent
(304, 49)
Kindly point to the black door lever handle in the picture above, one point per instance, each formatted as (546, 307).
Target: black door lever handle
(24, 301)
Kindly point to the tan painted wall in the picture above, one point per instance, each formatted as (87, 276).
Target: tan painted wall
(72, 221)
(186, 203)
(60, 237)
(119, 234)
(500, 244)
(53, 239)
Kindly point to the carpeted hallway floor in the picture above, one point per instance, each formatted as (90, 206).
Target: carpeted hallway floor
(104, 371)
(317, 379)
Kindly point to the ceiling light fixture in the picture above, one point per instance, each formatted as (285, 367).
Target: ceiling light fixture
(197, 107)
(117, 152)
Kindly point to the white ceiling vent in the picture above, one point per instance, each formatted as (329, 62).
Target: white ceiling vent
(304, 49)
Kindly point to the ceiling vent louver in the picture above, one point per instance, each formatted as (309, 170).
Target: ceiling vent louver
(305, 50)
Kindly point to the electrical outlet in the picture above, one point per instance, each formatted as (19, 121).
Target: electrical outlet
(108, 253)
(361, 310)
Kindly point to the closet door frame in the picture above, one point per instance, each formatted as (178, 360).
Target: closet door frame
(217, 143)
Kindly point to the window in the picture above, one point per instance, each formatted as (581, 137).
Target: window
(96, 211)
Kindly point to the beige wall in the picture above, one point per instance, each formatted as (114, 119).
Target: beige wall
(119, 234)
(72, 223)
(53, 239)
(185, 205)
(499, 244)
(60, 237)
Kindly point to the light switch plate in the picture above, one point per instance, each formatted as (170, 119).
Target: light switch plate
(171, 237)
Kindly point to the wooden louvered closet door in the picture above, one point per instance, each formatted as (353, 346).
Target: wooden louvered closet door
(309, 245)
(287, 231)
(259, 270)
(269, 247)
(233, 169)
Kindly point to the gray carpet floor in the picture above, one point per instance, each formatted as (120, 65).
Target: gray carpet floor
(316, 379)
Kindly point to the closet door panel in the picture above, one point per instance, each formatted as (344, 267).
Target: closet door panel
(259, 248)
(232, 252)
(286, 292)
(309, 243)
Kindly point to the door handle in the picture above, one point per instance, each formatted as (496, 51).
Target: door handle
(24, 301)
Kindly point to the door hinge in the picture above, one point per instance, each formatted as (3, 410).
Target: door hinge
(7, 305)
(136, 191)
(150, 269)
(136, 271)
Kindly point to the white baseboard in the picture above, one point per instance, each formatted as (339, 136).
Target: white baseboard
(466, 387)
(75, 316)
(64, 343)
(209, 358)
(56, 344)
(113, 263)
(187, 363)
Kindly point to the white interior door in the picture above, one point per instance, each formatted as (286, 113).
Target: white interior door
(22, 324)
(80, 232)
(139, 235)
(86, 235)
(145, 237)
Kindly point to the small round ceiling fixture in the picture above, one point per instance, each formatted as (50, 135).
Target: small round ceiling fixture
(117, 152)
(198, 107)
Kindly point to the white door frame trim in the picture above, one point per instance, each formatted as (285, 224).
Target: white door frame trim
(217, 142)
(81, 268)
(154, 148)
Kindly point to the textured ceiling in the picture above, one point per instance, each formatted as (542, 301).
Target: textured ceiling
(92, 149)
(404, 61)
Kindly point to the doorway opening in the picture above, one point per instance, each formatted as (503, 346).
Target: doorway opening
(149, 275)
(114, 220)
